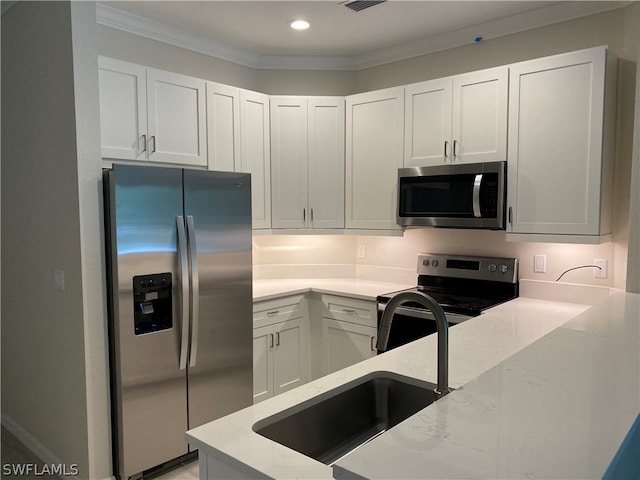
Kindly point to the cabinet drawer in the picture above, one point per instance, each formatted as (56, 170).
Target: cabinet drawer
(361, 312)
(278, 310)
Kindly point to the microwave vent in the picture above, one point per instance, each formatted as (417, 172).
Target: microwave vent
(359, 5)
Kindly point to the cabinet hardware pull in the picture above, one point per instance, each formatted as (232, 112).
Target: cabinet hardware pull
(446, 148)
(153, 139)
(304, 215)
(273, 313)
(511, 215)
(312, 215)
(350, 311)
(271, 340)
(455, 152)
(144, 142)
(277, 339)
(373, 344)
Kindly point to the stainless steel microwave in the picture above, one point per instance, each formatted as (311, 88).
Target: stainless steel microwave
(456, 196)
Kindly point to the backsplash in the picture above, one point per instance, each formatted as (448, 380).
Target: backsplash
(393, 259)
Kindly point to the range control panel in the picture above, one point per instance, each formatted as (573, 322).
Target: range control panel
(459, 266)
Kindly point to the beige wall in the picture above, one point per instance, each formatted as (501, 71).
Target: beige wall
(54, 377)
(144, 51)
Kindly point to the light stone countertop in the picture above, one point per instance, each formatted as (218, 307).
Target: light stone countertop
(350, 287)
(532, 401)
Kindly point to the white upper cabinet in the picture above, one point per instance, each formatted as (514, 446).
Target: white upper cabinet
(176, 118)
(460, 119)
(255, 153)
(223, 127)
(374, 152)
(558, 184)
(123, 109)
(307, 162)
(149, 114)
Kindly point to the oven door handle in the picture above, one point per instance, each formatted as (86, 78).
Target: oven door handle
(476, 196)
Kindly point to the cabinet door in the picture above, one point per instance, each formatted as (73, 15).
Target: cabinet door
(428, 123)
(289, 162)
(176, 116)
(289, 369)
(223, 127)
(346, 344)
(556, 108)
(480, 116)
(255, 156)
(123, 109)
(326, 161)
(374, 152)
(263, 343)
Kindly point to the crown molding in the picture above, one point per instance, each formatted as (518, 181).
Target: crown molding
(556, 13)
(143, 27)
(542, 17)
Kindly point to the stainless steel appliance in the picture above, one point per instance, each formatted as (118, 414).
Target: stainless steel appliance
(180, 306)
(456, 196)
(464, 286)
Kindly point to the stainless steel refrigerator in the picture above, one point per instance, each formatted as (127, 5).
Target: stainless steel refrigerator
(180, 306)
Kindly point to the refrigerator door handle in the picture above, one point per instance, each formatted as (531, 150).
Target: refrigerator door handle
(184, 291)
(195, 289)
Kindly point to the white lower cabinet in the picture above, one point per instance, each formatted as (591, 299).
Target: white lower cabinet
(280, 346)
(349, 331)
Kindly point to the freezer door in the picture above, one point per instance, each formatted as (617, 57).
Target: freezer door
(220, 371)
(149, 389)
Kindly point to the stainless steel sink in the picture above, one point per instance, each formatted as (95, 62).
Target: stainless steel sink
(331, 425)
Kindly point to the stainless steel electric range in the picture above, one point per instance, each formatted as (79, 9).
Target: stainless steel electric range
(464, 286)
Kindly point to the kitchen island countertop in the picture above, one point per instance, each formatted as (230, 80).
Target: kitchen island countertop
(532, 400)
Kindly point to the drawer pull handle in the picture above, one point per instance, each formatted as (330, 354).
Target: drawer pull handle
(273, 313)
(373, 344)
(350, 311)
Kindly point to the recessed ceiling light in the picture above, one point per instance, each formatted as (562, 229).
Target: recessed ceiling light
(299, 24)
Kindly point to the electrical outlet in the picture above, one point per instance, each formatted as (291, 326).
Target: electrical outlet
(362, 251)
(540, 263)
(602, 271)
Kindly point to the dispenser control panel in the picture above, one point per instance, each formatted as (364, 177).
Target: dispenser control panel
(152, 303)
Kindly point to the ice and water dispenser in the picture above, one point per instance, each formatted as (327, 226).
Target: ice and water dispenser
(152, 305)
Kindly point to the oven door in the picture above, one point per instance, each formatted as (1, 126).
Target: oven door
(410, 324)
(459, 196)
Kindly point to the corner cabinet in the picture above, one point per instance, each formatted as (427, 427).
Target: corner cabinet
(374, 152)
(149, 114)
(349, 331)
(281, 359)
(559, 168)
(307, 162)
(460, 119)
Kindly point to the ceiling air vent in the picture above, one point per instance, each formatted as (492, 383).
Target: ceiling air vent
(358, 5)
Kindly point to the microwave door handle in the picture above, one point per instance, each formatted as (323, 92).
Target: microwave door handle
(476, 196)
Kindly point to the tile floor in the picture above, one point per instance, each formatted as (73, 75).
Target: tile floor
(15, 453)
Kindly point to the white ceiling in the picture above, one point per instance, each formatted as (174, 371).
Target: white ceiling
(256, 33)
